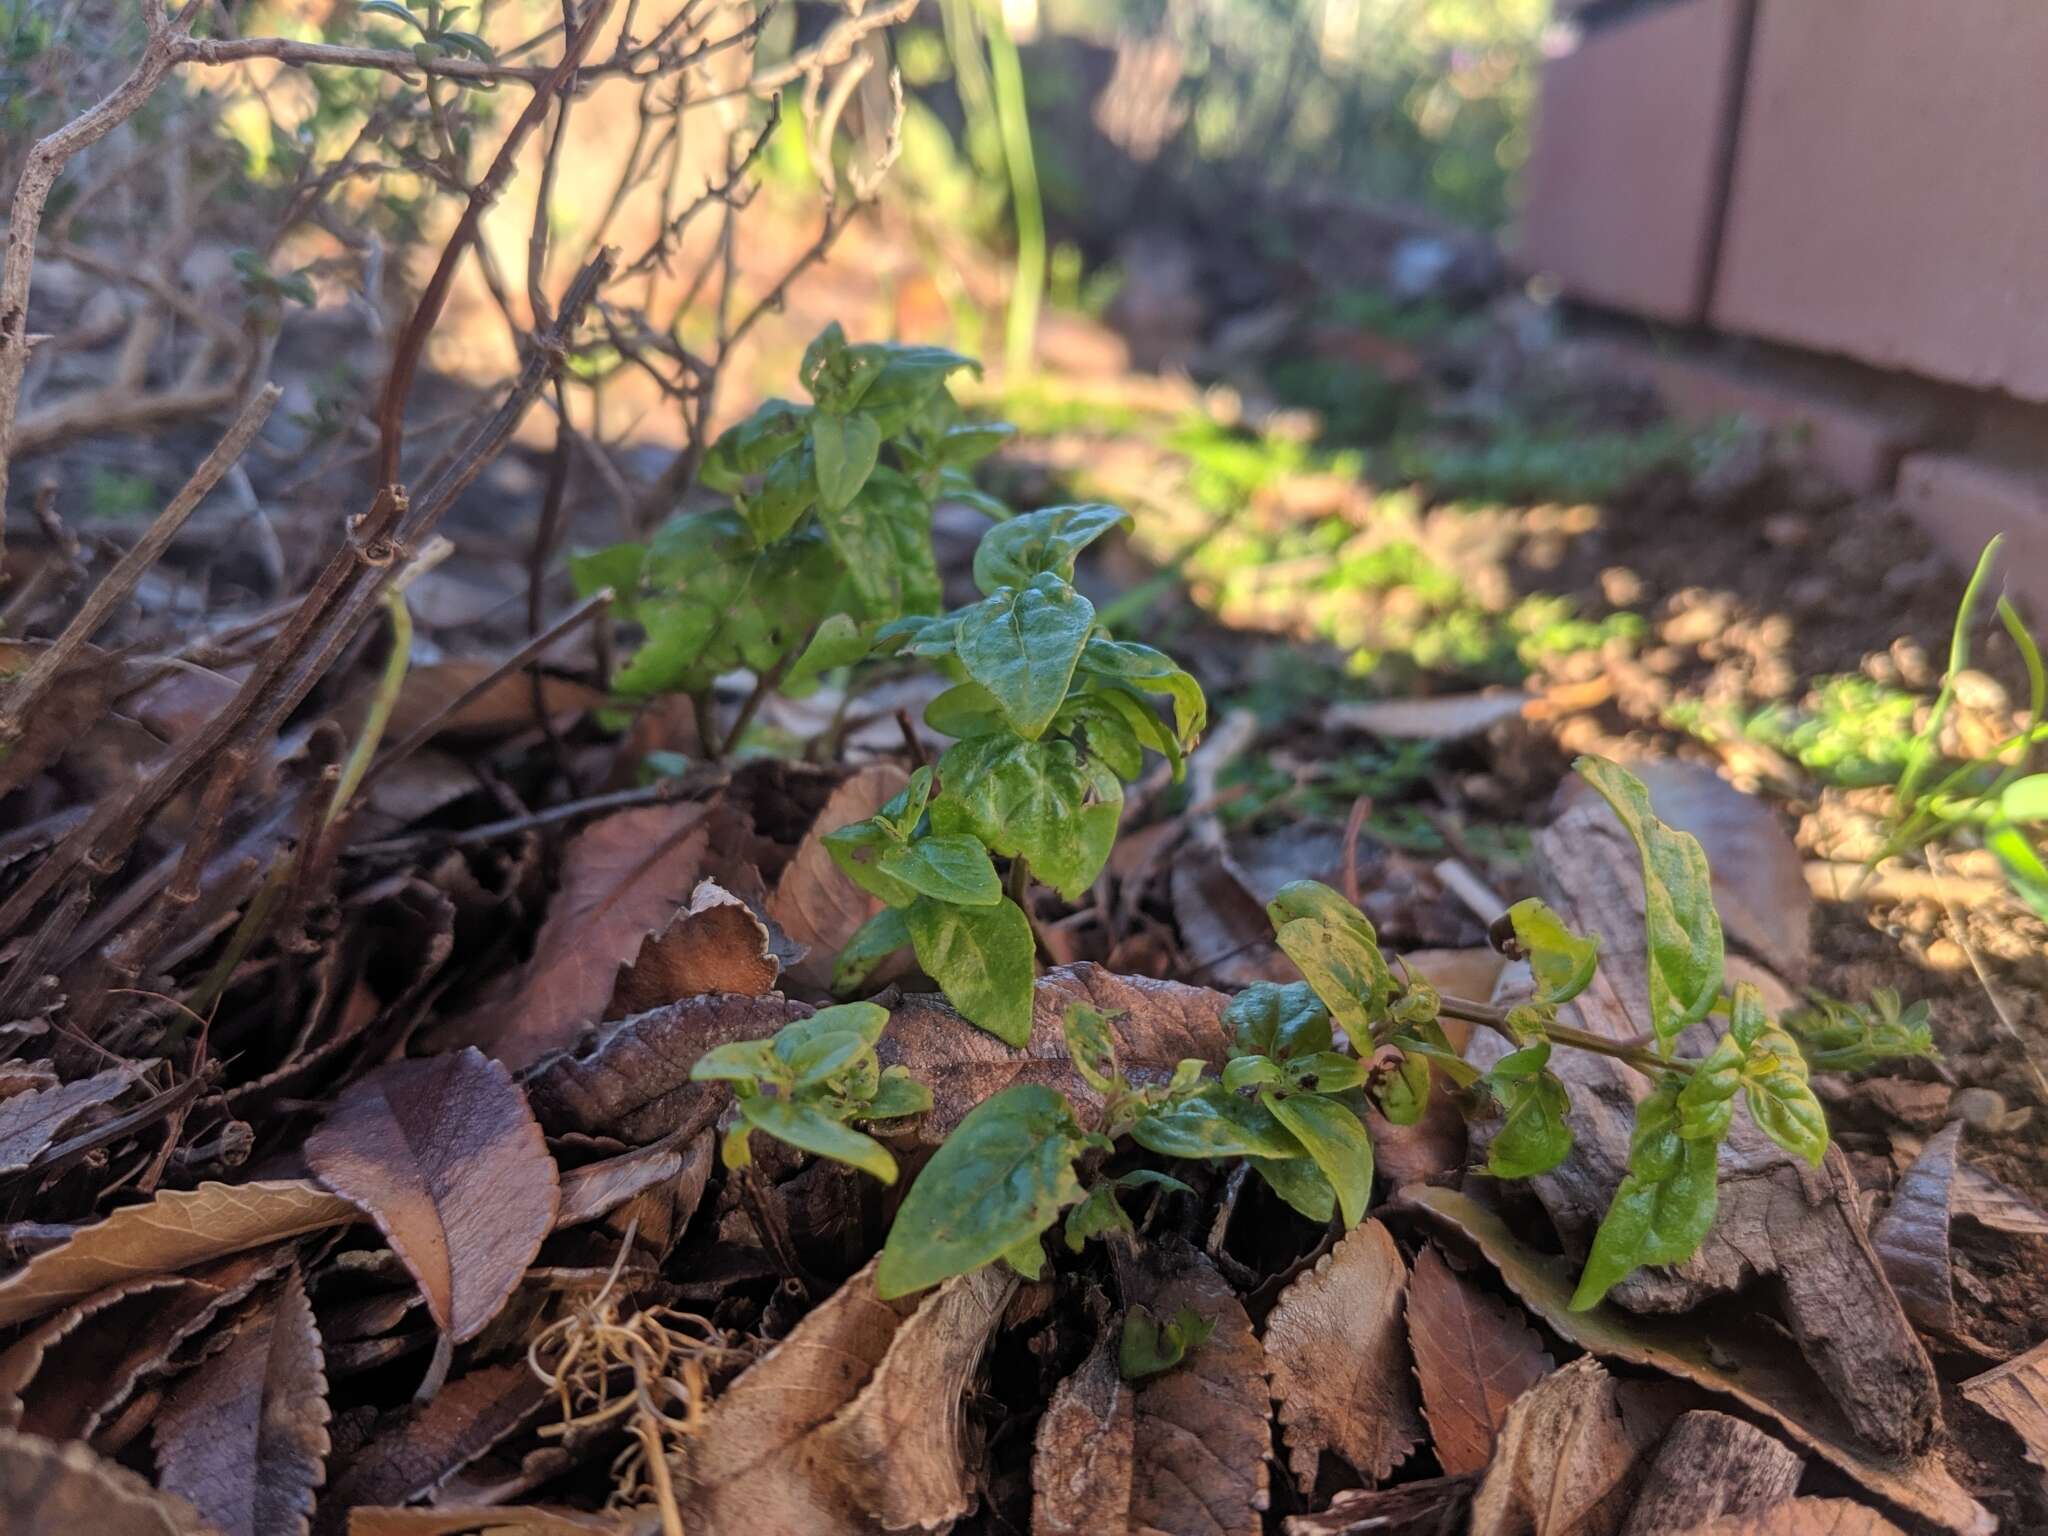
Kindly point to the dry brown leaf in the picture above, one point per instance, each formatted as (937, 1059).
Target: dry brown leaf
(622, 879)
(1911, 1238)
(1754, 1368)
(1223, 926)
(1711, 1465)
(1435, 1506)
(2017, 1392)
(1803, 1517)
(634, 1080)
(244, 1437)
(1568, 1458)
(1082, 1459)
(813, 901)
(417, 1449)
(29, 1122)
(62, 1377)
(72, 711)
(60, 1488)
(1759, 876)
(1451, 717)
(1199, 1435)
(747, 1469)
(486, 1520)
(596, 1188)
(1474, 1355)
(176, 1230)
(713, 945)
(1338, 1358)
(897, 1448)
(444, 1154)
(1990, 1203)
(502, 708)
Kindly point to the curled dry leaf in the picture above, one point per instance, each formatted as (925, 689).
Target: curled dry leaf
(1993, 1204)
(244, 1437)
(502, 708)
(748, 1469)
(897, 1449)
(1911, 1238)
(713, 945)
(63, 1376)
(30, 1121)
(1803, 1517)
(176, 1230)
(813, 901)
(486, 1520)
(1338, 1358)
(596, 1188)
(1752, 1367)
(622, 879)
(1199, 1431)
(417, 1449)
(2017, 1392)
(1081, 1460)
(1474, 1355)
(448, 1160)
(1711, 1465)
(1450, 717)
(61, 1488)
(633, 1082)
(1568, 1458)
(1426, 1508)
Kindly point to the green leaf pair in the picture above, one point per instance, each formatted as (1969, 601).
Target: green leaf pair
(808, 1080)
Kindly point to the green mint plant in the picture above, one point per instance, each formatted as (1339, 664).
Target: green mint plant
(806, 1082)
(1292, 1096)
(1051, 716)
(827, 537)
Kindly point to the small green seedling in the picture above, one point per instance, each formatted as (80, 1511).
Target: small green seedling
(808, 1081)
(1839, 1036)
(1149, 1347)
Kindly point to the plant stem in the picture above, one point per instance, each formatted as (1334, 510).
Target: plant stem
(1018, 885)
(1644, 1060)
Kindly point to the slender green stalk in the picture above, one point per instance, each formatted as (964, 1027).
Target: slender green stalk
(1027, 289)
(1640, 1057)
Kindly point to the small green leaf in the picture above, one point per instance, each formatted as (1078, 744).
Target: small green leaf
(1027, 1258)
(1148, 1348)
(1211, 1122)
(837, 375)
(1706, 1104)
(965, 709)
(1001, 1178)
(1015, 553)
(1022, 644)
(1429, 1041)
(1091, 1044)
(970, 444)
(1039, 800)
(1155, 672)
(1402, 1093)
(823, 1057)
(814, 1131)
(1299, 1182)
(837, 642)
(616, 566)
(873, 942)
(749, 447)
(1333, 944)
(897, 1096)
(392, 9)
(982, 958)
(858, 849)
(1533, 1137)
(1561, 960)
(469, 43)
(1683, 929)
(741, 1061)
(1097, 1216)
(1665, 1204)
(1336, 1139)
(1271, 1019)
(1242, 1072)
(2024, 867)
(788, 491)
(845, 448)
(1774, 1081)
(1333, 1072)
(883, 539)
(2025, 800)
(947, 867)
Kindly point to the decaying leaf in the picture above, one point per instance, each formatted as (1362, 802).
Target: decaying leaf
(417, 1449)
(64, 1375)
(30, 1121)
(1568, 1458)
(1337, 1353)
(444, 1154)
(1433, 1506)
(486, 1520)
(1474, 1355)
(1803, 1517)
(748, 1470)
(634, 1080)
(715, 944)
(813, 901)
(1994, 1204)
(1082, 1459)
(1451, 717)
(2017, 1392)
(505, 706)
(176, 1230)
(897, 1449)
(1754, 1368)
(1711, 1465)
(244, 1437)
(622, 879)
(1199, 1435)
(61, 1488)
(1911, 1237)
(595, 1188)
